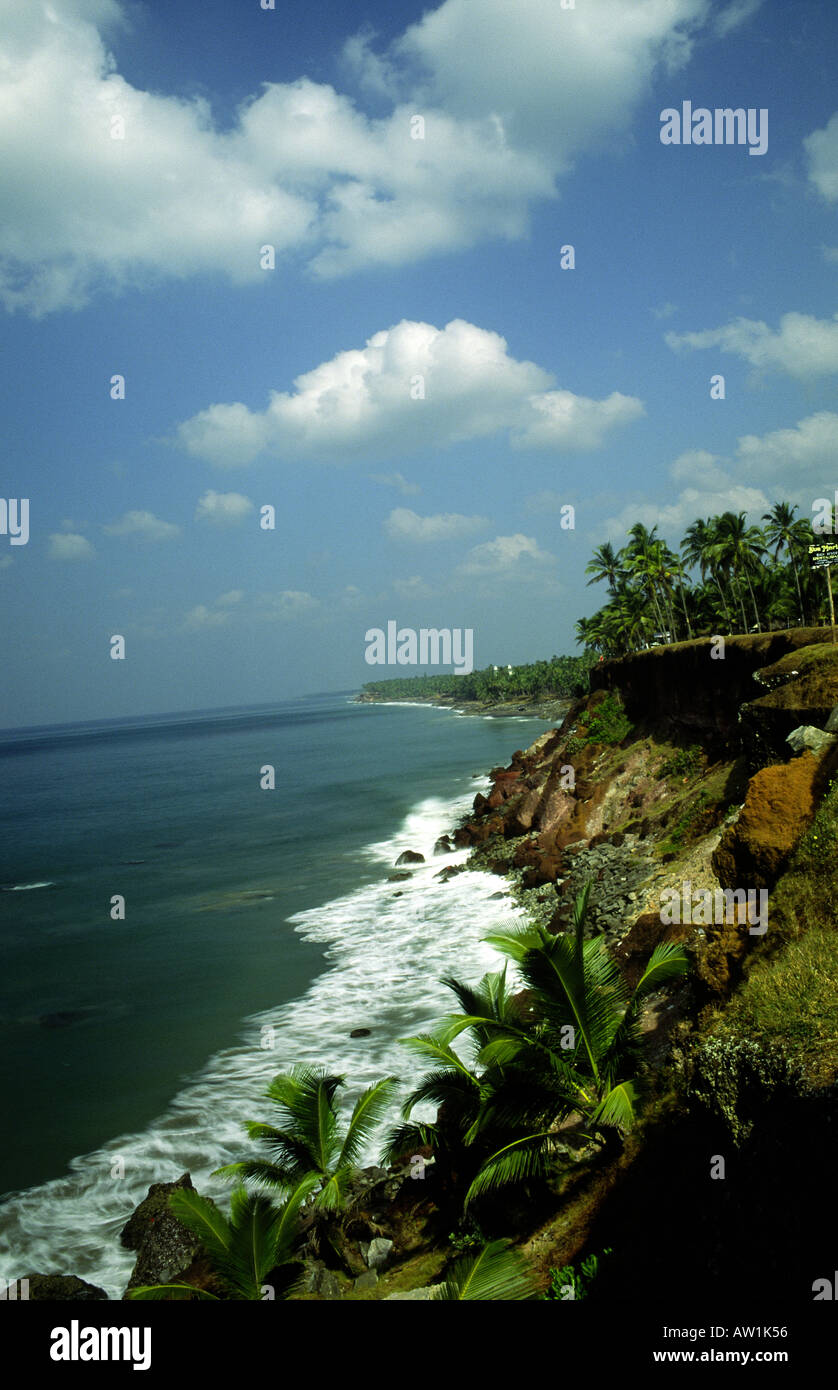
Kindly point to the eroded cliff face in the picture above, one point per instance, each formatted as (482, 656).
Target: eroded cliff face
(747, 700)
(704, 790)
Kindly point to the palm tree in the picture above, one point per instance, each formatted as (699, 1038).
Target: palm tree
(307, 1142)
(699, 548)
(780, 532)
(257, 1239)
(741, 547)
(605, 565)
(456, 1088)
(576, 993)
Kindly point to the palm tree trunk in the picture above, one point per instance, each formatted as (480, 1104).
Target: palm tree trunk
(753, 600)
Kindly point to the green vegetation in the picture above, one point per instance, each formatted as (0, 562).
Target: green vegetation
(743, 584)
(497, 1273)
(307, 1146)
(789, 997)
(609, 723)
(566, 1057)
(685, 762)
(257, 1239)
(567, 1284)
(562, 677)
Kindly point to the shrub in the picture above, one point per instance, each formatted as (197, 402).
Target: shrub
(610, 723)
(566, 1278)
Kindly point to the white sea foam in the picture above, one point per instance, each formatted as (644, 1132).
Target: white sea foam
(387, 945)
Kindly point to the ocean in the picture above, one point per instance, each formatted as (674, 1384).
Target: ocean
(259, 930)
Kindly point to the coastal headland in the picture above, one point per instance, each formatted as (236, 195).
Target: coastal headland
(684, 775)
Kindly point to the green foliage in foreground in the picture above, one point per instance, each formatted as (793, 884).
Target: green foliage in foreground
(243, 1249)
(571, 1051)
(567, 1285)
(498, 1273)
(308, 1143)
(562, 677)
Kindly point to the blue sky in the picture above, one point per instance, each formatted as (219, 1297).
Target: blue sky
(395, 258)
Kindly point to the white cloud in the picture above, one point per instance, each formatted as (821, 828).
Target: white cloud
(223, 508)
(414, 587)
(403, 524)
(822, 156)
(734, 14)
(369, 401)
(67, 546)
(798, 462)
(505, 554)
(510, 95)
(396, 480)
(201, 617)
(287, 605)
(230, 599)
(564, 421)
(802, 346)
(144, 524)
(795, 464)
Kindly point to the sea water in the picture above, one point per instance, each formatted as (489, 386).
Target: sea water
(259, 931)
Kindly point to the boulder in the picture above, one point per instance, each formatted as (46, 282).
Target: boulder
(412, 1295)
(165, 1247)
(807, 736)
(56, 1288)
(360, 1032)
(377, 1252)
(831, 724)
(779, 805)
(410, 856)
(443, 845)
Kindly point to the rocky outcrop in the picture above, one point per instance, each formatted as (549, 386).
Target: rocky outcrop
(410, 856)
(779, 805)
(685, 692)
(57, 1288)
(165, 1248)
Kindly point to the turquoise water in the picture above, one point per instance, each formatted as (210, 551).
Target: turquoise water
(259, 931)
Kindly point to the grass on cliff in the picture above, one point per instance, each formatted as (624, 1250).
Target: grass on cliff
(790, 992)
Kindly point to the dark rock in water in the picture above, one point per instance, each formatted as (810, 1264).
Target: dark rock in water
(493, 897)
(443, 845)
(450, 871)
(410, 856)
(165, 1248)
(398, 878)
(55, 1288)
(360, 1032)
(398, 895)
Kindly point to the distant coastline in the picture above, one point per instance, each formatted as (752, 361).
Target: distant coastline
(552, 710)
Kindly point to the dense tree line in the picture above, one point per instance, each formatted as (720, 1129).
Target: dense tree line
(729, 577)
(561, 677)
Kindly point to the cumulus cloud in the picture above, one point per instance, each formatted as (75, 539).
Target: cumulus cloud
(505, 554)
(144, 524)
(802, 346)
(821, 149)
(561, 420)
(510, 96)
(413, 382)
(223, 508)
(796, 464)
(65, 545)
(403, 524)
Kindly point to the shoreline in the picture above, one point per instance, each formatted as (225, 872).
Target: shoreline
(552, 711)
